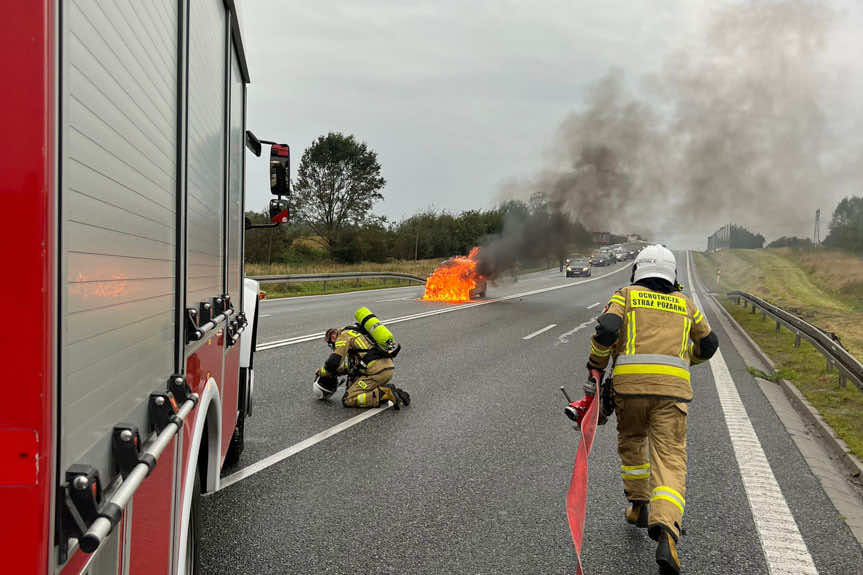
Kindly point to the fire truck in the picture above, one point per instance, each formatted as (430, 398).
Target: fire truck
(130, 373)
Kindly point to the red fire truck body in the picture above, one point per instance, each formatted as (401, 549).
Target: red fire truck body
(131, 376)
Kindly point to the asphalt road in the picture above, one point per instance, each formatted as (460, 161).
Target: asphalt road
(471, 477)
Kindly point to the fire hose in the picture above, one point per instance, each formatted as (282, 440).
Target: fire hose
(576, 495)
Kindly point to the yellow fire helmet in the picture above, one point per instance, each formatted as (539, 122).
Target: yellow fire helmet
(382, 336)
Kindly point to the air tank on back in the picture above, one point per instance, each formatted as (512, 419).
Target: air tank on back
(383, 337)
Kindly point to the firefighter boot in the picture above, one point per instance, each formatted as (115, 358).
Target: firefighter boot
(666, 553)
(636, 514)
(395, 395)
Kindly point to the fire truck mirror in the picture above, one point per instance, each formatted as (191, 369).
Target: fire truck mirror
(279, 212)
(280, 170)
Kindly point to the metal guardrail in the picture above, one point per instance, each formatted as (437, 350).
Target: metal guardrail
(837, 356)
(294, 278)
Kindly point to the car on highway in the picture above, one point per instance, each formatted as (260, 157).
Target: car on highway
(578, 267)
(480, 283)
(601, 258)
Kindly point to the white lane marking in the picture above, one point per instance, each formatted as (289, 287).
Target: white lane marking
(266, 315)
(298, 447)
(593, 305)
(783, 546)
(564, 337)
(304, 338)
(539, 331)
(395, 299)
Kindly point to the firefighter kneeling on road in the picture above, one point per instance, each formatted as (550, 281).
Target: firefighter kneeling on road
(364, 352)
(653, 332)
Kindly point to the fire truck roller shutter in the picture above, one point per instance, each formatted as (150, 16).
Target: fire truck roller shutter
(118, 166)
(236, 149)
(206, 168)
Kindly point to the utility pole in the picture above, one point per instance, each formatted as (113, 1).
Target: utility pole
(816, 239)
(417, 246)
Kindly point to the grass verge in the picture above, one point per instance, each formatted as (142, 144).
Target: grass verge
(421, 268)
(283, 290)
(821, 286)
(806, 368)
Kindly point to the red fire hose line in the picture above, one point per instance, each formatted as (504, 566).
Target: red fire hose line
(576, 496)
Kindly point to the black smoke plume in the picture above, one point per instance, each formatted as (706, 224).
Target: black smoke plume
(738, 129)
(530, 234)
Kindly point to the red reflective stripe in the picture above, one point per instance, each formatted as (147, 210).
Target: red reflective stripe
(576, 497)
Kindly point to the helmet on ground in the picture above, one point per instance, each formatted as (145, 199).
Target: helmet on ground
(324, 387)
(655, 261)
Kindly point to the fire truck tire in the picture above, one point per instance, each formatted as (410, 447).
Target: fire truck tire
(238, 441)
(193, 564)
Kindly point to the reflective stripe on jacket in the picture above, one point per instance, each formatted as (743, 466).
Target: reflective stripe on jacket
(654, 347)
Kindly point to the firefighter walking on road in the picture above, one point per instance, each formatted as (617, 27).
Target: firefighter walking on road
(364, 352)
(653, 332)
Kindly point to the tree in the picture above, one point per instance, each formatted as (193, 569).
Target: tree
(846, 227)
(338, 180)
(741, 238)
(790, 242)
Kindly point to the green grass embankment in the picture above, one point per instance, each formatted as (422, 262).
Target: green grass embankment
(280, 290)
(420, 268)
(820, 286)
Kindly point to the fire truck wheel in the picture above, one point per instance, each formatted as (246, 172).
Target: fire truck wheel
(192, 548)
(235, 449)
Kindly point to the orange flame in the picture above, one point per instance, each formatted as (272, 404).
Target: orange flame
(453, 280)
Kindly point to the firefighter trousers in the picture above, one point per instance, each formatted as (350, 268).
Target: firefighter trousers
(651, 441)
(365, 390)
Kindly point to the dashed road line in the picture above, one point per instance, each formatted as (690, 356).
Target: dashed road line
(564, 337)
(783, 546)
(539, 331)
(593, 305)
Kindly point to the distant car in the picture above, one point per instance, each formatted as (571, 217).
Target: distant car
(578, 268)
(601, 259)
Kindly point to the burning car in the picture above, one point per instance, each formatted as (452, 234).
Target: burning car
(456, 280)
(578, 267)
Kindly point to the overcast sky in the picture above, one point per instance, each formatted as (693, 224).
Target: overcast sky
(456, 97)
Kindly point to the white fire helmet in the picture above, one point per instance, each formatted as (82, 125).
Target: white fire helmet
(321, 391)
(655, 261)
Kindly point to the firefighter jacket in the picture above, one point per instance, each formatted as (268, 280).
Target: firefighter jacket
(658, 336)
(355, 354)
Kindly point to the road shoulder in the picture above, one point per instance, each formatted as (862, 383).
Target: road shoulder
(821, 457)
(831, 471)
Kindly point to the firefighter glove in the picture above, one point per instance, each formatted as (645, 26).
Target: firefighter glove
(594, 379)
